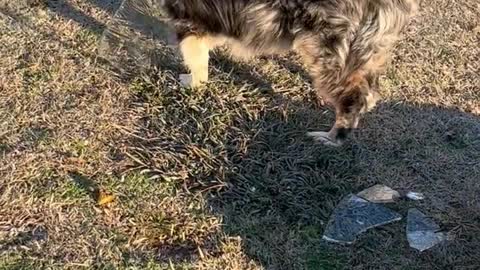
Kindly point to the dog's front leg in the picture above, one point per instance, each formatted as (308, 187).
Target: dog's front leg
(195, 53)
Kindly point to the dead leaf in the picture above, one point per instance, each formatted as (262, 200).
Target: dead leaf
(105, 198)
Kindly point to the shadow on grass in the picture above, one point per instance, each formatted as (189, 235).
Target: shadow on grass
(283, 189)
(67, 10)
(276, 189)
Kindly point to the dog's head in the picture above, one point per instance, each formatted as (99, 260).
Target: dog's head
(359, 93)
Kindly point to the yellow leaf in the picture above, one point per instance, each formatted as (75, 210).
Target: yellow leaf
(104, 198)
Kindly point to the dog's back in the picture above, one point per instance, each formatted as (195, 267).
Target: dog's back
(266, 24)
(207, 16)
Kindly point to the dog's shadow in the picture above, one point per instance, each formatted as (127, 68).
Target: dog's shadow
(242, 71)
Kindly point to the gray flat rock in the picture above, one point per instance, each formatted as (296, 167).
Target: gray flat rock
(354, 216)
(422, 232)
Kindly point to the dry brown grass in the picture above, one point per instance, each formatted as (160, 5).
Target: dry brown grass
(224, 178)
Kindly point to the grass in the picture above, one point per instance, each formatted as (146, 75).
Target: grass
(223, 177)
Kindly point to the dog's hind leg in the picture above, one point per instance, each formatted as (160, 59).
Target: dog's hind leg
(195, 53)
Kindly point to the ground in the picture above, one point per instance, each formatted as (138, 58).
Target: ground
(102, 173)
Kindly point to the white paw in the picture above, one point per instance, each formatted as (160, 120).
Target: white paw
(324, 138)
(187, 80)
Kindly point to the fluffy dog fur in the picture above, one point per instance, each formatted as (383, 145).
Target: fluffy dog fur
(344, 43)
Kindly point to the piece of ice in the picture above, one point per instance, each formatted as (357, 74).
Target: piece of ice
(354, 216)
(135, 39)
(379, 194)
(185, 79)
(415, 196)
(422, 231)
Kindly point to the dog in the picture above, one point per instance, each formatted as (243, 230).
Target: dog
(344, 44)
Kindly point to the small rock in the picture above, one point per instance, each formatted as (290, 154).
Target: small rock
(415, 196)
(185, 79)
(354, 216)
(379, 194)
(422, 232)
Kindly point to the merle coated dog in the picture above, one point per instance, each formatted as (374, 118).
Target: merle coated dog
(344, 44)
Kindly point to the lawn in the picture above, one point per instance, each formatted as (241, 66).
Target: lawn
(102, 173)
